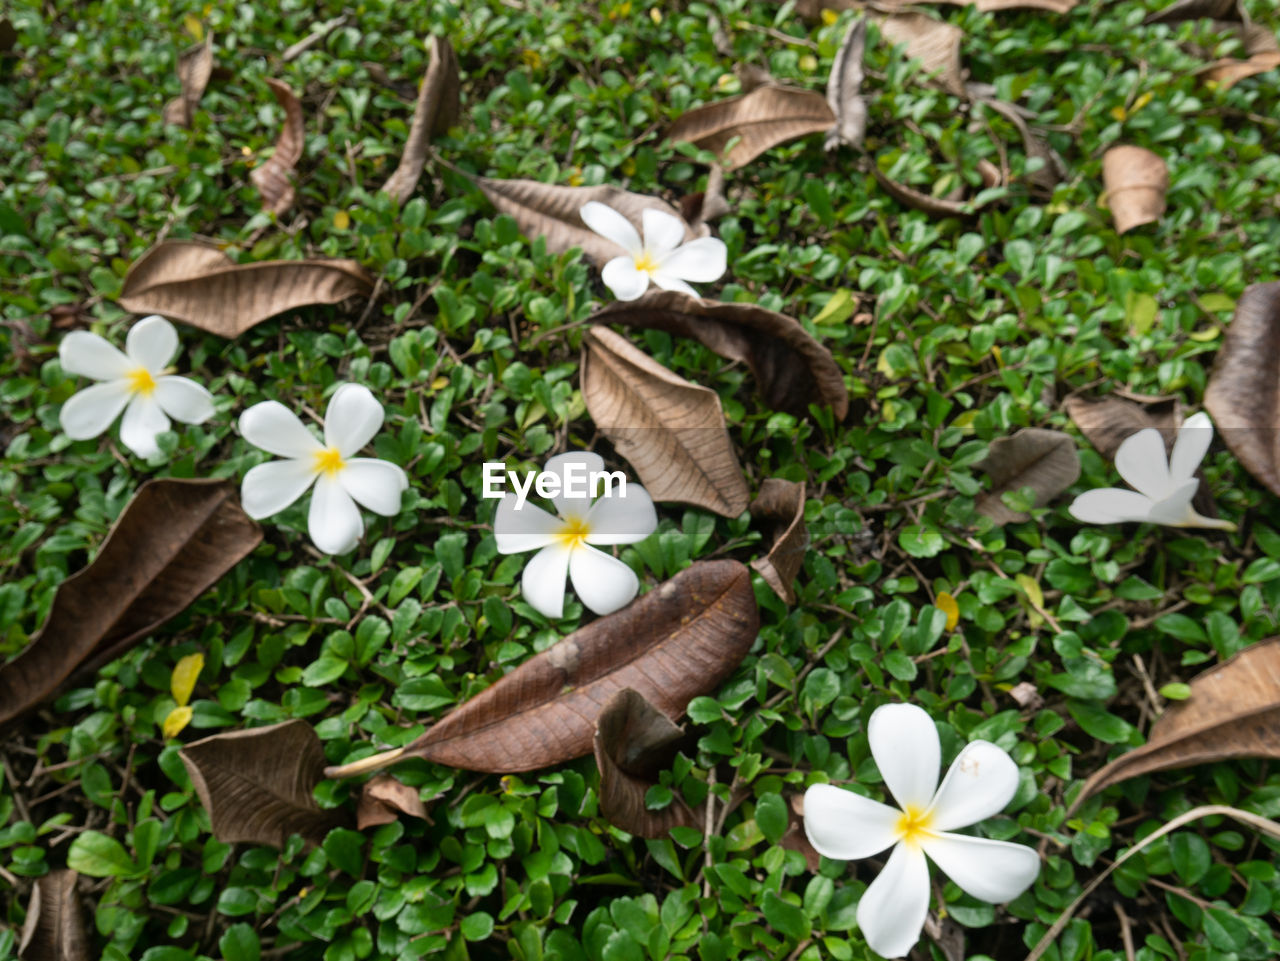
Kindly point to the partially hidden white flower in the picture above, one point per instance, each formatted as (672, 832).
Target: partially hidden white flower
(136, 381)
(341, 479)
(661, 256)
(1163, 485)
(602, 582)
(847, 826)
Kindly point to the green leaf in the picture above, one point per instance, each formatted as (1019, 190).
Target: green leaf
(784, 917)
(771, 817)
(99, 856)
(240, 943)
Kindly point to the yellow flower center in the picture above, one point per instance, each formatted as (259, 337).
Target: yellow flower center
(141, 381)
(329, 461)
(645, 263)
(915, 825)
(574, 533)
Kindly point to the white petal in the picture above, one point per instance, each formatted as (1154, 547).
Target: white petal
(88, 355)
(847, 826)
(1194, 437)
(271, 487)
(611, 225)
(701, 261)
(334, 520)
(905, 746)
(622, 518)
(183, 399)
(671, 282)
(526, 529)
(353, 417)
(663, 232)
(892, 910)
(151, 343)
(1175, 508)
(276, 429)
(573, 501)
(1143, 463)
(543, 582)
(602, 582)
(992, 871)
(143, 420)
(620, 276)
(89, 412)
(980, 782)
(375, 484)
(1111, 505)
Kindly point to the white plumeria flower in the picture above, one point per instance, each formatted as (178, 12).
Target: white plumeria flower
(661, 257)
(1163, 485)
(342, 480)
(602, 582)
(847, 826)
(136, 381)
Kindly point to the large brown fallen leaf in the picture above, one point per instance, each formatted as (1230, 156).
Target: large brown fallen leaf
(779, 507)
(257, 784)
(1196, 10)
(633, 742)
(272, 177)
(199, 284)
(1243, 395)
(1260, 49)
(680, 640)
(383, 799)
(1044, 460)
(1233, 711)
(437, 110)
(935, 43)
(671, 431)
(844, 89)
(754, 122)
(1107, 422)
(552, 212)
(195, 66)
(792, 368)
(1135, 180)
(172, 542)
(812, 9)
(54, 929)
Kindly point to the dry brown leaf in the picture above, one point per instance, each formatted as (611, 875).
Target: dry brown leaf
(1233, 712)
(1228, 72)
(792, 368)
(844, 89)
(1044, 460)
(679, 641)
(272, 177)
(812, 9)
(8, 36)
(1243, 395)
(172, 542)
(1107, 422)
(750, 76)
(257, 784)
(754, 122)
(795, 838)
(706, 205)
(1197, 10)
(719, 38)
(199, 284)
(779, 508)
(195, 66)
(935, 43)
(672, 432)
(918, 200)
(383, 799)
(633, 742)
(553, 212)
(54, 929)
(437, 110)
(1052, 171)
(1135, 180)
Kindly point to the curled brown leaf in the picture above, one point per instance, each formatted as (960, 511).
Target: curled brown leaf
(54, 930)
(272, 178)
(384, 798)
(1044, 460)
(935, 43)
(844, 89)
(779, 507)
(436, 111)
(1135, 180)
(195, 67)
(739, 129)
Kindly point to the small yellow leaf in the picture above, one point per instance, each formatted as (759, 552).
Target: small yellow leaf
(194, 26)
(808, 63)
(1118, 113)
(1204, 336)
(655, 15)
(341, 220)
(998, 355)
(829, 17)
(178, 718)
(629, 166)
(185, 674)
(947, 604)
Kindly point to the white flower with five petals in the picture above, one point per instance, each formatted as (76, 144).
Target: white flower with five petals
(136, 381)
(1163, 485)
(661, 257)
(602, 582)
(847, 826)
(341, 479)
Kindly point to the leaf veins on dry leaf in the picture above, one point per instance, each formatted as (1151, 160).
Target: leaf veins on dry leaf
(672, 432)
(680, 640)
(54, 929)
(844, 89)
(272, 176)
(1044, 460)
(1135, 180)
(436, 111)
(739, 129)
(779, 507)
(199, 284)
(172, 542)
(195, 66)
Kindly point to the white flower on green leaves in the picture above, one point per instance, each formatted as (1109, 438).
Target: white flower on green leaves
(847, 826)
(661, 257)
(1163, 486)
(137, 382)
(341, 479)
